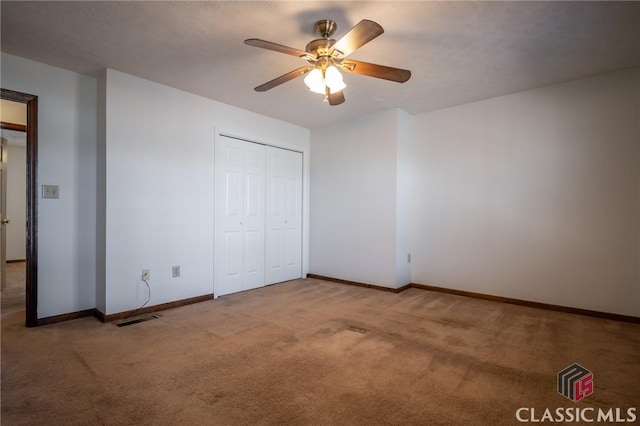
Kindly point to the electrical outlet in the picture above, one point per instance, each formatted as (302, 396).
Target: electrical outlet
(50, 191)
(409, 258)
(175, 271)
(145, 275)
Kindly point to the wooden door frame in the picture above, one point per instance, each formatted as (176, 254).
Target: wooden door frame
(31, 269)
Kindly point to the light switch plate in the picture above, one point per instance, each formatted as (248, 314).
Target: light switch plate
(50, 191)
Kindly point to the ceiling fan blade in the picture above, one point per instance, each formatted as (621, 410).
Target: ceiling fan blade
(379, 71)
(362, 33)
(336, 98)
(275, 46)
(283, 79)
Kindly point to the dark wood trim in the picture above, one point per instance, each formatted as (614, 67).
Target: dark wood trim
(65, 317)
(16, 260)
(161, 307)
(32, 213)
(13, 126)
(538, 305)
(100, 315)
(31, 270)
(500, 299)
(357, 284)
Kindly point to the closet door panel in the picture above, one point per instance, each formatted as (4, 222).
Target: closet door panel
(239, 241)
(283, 215)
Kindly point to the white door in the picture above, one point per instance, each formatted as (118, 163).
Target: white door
(239, 216)
(3, 212)
(284, 215)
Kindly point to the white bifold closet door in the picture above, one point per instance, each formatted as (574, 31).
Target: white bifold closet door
(258, 215)
(284, 215)
(239, 216)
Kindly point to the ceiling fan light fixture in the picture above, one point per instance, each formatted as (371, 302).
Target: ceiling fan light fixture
(335, 88)
(315, 81)
(333, 79)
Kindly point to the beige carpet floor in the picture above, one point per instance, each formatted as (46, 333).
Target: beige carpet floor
(312, 352)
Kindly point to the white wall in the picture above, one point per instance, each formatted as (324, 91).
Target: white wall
(66, 157)
(134, 161)
(16, 201)
(403, 198)
(353, 199)
(159, 186)
(534, 195)
(101, 195)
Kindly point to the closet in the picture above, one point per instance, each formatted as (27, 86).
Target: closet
(258, 215)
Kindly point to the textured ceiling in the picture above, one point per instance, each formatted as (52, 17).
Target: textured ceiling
(458, 52)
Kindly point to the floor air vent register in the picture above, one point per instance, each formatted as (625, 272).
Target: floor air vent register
(136, 320)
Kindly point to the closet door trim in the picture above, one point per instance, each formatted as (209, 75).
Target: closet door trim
(227, 135)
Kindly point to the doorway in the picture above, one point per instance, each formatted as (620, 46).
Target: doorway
(31, 216)
(12, 199)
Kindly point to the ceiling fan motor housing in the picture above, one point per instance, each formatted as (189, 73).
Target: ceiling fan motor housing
(320, 47)
(325, 27)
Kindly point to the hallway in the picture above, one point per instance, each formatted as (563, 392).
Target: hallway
(13, 296)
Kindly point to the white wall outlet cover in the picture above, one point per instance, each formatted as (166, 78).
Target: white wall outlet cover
(175, 271)
(50, 191)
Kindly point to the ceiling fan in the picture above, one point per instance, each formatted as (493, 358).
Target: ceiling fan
(326, 56)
